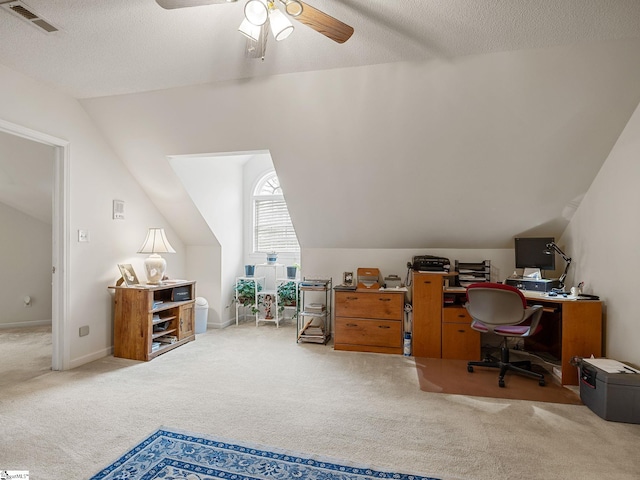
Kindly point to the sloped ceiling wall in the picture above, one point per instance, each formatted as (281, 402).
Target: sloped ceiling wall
(461, 154)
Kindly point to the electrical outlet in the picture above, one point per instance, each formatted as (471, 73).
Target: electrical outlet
(84, 331)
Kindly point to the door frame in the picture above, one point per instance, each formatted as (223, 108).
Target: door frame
(60, 239)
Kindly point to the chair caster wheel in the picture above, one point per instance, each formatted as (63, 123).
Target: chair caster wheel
(470, 368)
(501, 383)
(542, 383)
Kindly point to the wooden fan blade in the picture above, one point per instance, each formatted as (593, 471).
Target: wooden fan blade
(170, 4)
(325, 24)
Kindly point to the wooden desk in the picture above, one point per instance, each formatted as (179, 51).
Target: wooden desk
(571, 327)
(578, 325)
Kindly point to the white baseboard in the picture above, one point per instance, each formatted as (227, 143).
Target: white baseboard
(32, 323)
(221, 325)
(76, 362)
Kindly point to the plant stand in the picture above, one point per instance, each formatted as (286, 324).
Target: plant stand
(256, 281)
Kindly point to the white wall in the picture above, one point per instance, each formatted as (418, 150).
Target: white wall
(214, 184)
(333, 262)
(406, 154)
(97, 176)
(603, 241)
(25, 254)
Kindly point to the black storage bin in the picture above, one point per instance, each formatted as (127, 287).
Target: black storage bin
(614, 396)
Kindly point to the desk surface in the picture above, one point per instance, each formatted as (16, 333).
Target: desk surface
(532, 295)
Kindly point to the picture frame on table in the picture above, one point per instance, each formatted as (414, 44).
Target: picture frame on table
(128, 274)
(347, 278)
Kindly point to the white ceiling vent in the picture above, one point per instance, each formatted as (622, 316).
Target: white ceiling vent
(27, 14)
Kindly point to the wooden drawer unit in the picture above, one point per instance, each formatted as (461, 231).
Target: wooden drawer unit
(459, 340)
(368, 332)
(369, 321)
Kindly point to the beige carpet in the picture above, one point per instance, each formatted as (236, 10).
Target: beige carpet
(255, 384)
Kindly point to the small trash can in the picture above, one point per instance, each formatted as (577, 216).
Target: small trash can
(202, 310)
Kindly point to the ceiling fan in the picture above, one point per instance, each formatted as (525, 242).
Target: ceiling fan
(260, 14)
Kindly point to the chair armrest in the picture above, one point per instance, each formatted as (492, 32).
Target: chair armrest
(533, 314)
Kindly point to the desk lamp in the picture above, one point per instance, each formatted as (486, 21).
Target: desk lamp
(154, 265)
(550, 250)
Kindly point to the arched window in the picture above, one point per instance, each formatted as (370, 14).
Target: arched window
(272, 227)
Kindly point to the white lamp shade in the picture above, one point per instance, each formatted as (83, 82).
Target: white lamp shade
(256, 12)
(250, 30)
(293, 7)
(156, 242)
(281, 27)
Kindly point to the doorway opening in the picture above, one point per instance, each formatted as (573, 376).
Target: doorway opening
(60, 244)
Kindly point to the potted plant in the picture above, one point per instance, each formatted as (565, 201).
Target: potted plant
(246, 293)
(287, 295)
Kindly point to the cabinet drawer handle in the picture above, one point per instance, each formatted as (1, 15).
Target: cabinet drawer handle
(462, 315)
(427, 281)
(352, 298)
(461, 331)
(384, 326)
(351, 324)
(384, 299)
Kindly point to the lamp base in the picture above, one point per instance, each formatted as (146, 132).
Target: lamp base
(155, 267)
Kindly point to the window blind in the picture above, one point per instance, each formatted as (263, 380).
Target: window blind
(273, 228)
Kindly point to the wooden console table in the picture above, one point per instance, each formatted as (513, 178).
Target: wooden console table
(150, 320)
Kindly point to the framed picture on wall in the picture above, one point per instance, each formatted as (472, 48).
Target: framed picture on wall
(347, 278)
(128, 274)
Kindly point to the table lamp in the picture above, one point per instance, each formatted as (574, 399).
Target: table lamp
(155, 243)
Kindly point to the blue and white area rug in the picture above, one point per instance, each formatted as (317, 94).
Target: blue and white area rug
(171, 455)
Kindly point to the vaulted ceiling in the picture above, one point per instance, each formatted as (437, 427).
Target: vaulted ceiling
(439, 123)
(108, 47)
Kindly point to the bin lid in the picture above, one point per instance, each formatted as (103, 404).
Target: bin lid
(613, 372)
(201, 302)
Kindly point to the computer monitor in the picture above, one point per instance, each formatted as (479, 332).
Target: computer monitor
(530, 253)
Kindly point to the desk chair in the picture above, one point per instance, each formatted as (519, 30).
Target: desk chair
(502, 309)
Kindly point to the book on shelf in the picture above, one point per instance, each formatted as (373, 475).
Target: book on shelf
(315, 307)
(313, 339)
(155, 346)
(313, 331)
(314, 284)
(168, 339)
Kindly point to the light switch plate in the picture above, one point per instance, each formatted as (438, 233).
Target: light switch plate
(83, 235)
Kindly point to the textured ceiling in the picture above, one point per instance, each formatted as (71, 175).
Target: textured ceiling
(107, 47)
(524, 97)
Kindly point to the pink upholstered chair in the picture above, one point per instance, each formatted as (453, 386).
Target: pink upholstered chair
(502, 309)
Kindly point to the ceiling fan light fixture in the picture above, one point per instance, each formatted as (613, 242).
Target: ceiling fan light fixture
(281, 27)
(256, 12)
(293, 7)
(250, 30)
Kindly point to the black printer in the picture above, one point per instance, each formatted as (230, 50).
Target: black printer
(430, 263)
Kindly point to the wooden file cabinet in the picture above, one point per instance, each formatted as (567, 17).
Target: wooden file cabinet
(147, 315)
(369, 321)
(427, 313)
